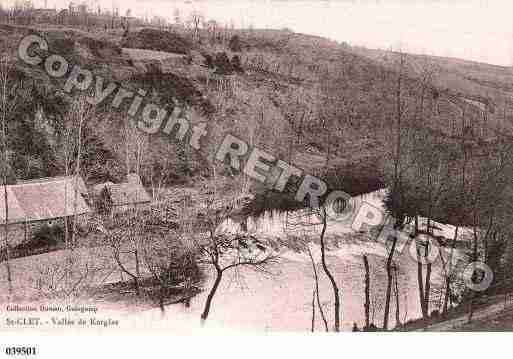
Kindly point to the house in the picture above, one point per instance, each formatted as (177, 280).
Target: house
(43, 201)
(120, 197)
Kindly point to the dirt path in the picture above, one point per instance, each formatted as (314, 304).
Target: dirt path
(497, 316)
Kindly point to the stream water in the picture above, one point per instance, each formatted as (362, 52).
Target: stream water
(281, 300)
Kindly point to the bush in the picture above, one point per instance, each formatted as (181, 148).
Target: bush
(174, 266)
(151, 39)
(236, 64)
(48, 235)
(46, 239)
(235, 44)
(223, 64)
(170, 87)
(154, 68)
(209, 62)
(103, 202)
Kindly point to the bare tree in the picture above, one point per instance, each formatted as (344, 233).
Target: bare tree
(313, 311)
(313, 218)
(336, 295)
(316, 291)
(9, 104)
(172, 261)
(80, 112)
(367, 292)
(488, 192)
(389, 282)
(196, 18)
(124, 233)
(396, 293)
(71, 277)
(69, 151)
(434, 173)
(224, 251)
(396, 193)
(136, 144)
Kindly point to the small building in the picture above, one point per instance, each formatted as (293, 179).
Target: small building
(43, 201)
(121, 197)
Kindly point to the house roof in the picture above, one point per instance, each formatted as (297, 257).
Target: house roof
(44, 199)
(128, 193)
(16, 213)
(80, 182)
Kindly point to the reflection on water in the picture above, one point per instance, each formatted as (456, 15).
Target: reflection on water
(282, 301)
(250, 300)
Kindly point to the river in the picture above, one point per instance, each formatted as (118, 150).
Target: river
(281, 301)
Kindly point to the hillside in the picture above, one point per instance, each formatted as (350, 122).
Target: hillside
(331, 108)
(487, 87)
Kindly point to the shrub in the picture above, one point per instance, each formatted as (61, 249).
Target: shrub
(209, 62)
(103, 202)
(48, 235)
(154, 67)
(151, 39)
(173, 266)
(47, 238)
(235, 44)
(236, 64)
(170, 87)
(223, 64)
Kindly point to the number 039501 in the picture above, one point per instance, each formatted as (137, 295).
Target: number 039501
(20, 351)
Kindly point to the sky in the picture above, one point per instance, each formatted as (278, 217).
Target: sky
(479, 30)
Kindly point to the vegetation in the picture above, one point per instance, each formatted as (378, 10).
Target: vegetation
(359, 119)
(152, 39)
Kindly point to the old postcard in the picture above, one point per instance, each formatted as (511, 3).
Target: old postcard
(255, 166)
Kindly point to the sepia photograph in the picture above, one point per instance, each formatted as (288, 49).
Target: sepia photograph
(310, 167)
